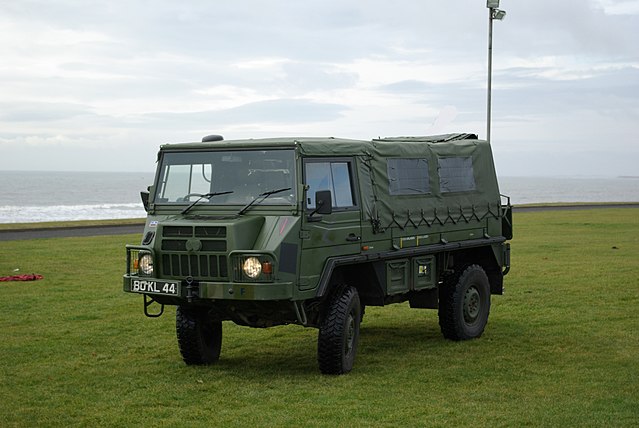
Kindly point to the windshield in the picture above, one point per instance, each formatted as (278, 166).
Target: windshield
(242, 175)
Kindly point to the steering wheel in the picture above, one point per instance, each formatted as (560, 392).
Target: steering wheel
(185, 198)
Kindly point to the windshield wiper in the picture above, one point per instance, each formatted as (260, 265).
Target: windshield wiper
(207, 196)
(260, 198)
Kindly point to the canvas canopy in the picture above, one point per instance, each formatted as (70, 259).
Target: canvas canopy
(458, 178)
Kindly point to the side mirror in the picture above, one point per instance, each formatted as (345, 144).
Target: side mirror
(323, 202)
(323, 205)
(145, 200)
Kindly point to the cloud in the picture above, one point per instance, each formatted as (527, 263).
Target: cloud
(278, 111)
(81, 76)
(39, 112)
(616, 7)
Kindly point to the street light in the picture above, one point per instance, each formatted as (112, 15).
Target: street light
(494, 13)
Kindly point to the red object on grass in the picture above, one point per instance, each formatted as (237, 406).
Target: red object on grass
(26, 277)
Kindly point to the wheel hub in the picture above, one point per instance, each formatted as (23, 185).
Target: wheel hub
(472, 304)
(350, 333)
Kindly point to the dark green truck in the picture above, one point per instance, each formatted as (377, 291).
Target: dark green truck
(309, 231)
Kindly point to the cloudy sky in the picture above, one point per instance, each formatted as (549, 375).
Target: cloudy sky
(99, 85)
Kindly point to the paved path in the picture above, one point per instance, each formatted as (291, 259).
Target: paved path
(125, 229)
(66, 232)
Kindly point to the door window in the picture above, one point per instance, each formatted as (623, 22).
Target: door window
(335, 176)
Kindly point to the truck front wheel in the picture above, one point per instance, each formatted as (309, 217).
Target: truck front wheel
(199, 336)
(464, 303)
(339, 333)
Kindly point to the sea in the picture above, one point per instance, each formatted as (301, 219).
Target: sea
(32, 197)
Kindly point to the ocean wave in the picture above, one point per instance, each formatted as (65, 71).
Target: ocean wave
(36, 214)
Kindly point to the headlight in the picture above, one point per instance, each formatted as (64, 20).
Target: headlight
(252, 267)
(145, 265)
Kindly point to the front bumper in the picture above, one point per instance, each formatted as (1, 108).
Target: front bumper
(203, 290)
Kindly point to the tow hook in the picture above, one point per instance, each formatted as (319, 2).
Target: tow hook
(148, 301)
(191, 289)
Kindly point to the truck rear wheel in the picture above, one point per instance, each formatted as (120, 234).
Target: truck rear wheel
(339, 333)
(464, 303)
(199, 336)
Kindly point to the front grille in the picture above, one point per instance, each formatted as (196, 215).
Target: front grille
(208, 263)
(177, 231)
(197, 266)
(210, 232)
(173, 245)
(213, 245)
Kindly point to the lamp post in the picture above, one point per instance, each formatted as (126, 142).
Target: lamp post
(494, 13)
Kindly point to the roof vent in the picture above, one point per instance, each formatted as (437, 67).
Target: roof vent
(213, 137)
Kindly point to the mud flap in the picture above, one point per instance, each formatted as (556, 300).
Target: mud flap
(506, 259)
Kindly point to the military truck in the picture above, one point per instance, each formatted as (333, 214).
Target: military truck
(310, 231)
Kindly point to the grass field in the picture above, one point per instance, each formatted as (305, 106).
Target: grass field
(561, 347)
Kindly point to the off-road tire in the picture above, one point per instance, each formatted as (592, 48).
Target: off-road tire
(199, 336)
(339, 333)
(464, 303)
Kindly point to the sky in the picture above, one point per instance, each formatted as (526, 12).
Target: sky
(100, 85)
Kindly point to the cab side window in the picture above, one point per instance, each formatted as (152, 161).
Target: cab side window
(333, 175)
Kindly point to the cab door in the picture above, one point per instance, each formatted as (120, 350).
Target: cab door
(328, 235)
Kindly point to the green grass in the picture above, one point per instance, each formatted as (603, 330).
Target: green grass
(561, 347)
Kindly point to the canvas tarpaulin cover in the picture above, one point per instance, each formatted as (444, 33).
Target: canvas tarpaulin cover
(461, 174)
(461, 177)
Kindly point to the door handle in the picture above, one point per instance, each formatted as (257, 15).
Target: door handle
(352, 237)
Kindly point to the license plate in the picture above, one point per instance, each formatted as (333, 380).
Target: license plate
(154, 287)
